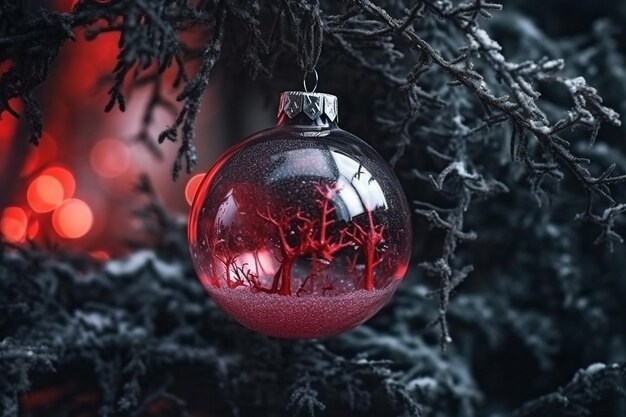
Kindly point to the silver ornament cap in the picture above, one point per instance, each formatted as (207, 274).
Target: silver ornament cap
(313, 105)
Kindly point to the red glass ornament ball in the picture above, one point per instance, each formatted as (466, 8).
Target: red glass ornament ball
(300, 232)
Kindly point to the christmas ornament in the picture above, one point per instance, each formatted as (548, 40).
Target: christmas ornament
(301, 230)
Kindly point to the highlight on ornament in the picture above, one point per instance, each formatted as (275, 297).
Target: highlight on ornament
(302, 230)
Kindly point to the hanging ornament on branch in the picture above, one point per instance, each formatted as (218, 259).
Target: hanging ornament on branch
(301, 230)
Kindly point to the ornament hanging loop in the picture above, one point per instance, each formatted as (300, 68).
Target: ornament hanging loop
(304, 83)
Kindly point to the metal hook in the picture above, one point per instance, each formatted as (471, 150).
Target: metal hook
(316, 81)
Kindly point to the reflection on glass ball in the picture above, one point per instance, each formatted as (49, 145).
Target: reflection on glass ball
(300, 233)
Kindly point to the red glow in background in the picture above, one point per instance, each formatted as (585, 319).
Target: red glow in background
(76, 189)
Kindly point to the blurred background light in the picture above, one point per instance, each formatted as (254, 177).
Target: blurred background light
(65, 178)
(14, 224)
(110, 158)
(44, 193)
(72, 219)
(192, 187)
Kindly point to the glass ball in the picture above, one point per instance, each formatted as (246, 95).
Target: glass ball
(300, 232)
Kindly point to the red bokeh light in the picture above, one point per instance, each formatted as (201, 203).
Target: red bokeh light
(72, 219)
(33, 229)
(65, 177)
(13, 224)
(44, 193)
(110, 158)
(192, 187)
